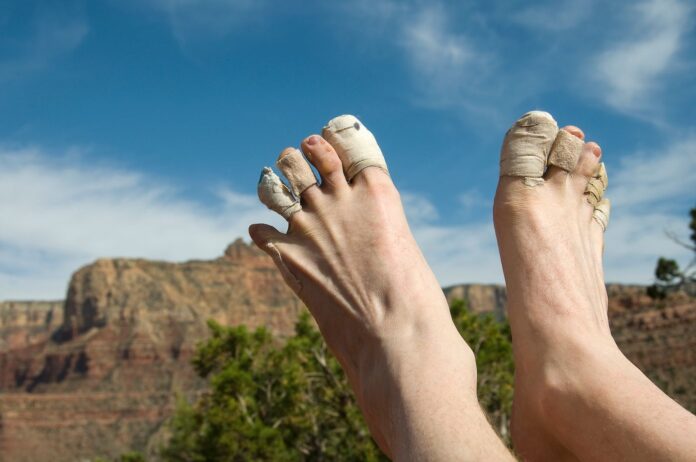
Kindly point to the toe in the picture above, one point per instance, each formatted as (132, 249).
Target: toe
(277, 245)
(325, 159)
(576, 131)
(263, 234)
(565, 154)
(275, 195)
(297, 171)
(356, 146)
(526, 147)
(600, 222)
(588, 161)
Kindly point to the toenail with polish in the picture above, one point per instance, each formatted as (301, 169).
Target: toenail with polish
(312, 140)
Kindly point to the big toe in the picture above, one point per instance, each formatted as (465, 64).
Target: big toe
(357, 148)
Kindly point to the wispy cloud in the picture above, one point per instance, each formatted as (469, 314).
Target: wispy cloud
(449, 69)
(632, 70)
(50, 36)
(445, 59)
(554, 16)
(192, 20)
(650, 193)
(59, 213)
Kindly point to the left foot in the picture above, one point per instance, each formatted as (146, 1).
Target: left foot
(576, 395)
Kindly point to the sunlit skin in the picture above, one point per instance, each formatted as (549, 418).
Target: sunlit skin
(350, 256)
(383, 314)
(576, 396)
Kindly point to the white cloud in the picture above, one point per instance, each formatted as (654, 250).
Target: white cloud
(631, 70)
(57, 214)
(473, 199)
(418, 209)
(51, 36)
(196, 19)
(449, 66)
(648, 192)
(655, 177)
(555, 16)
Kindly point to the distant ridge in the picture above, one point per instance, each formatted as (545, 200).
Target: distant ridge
(98, 373)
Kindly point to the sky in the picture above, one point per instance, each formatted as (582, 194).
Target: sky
(139, 128)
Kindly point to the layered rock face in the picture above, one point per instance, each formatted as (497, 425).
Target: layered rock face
(98, 374)
(657, 336)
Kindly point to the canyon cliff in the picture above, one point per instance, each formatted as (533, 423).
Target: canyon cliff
(99, 373)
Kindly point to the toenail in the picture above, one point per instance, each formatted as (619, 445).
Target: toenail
(312, 140)
(596, 150)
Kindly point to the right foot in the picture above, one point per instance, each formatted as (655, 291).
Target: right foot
(350, 256)
(574, 390)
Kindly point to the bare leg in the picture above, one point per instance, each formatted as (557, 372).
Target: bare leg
(350, 256)
(576, 395)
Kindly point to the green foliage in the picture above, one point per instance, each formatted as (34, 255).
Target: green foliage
(491, 342)
(269, 401)
(290, 401)
(127, 457)
(669, 277)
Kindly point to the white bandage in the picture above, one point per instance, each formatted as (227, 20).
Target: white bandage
(354, 144)
(565, 151)
(597, 185)
(526, 147)
(296, 169)
(601, 213)
(275, 195)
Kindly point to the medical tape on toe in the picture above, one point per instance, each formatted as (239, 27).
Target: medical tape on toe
(601, 213)
(296, 169)
(355, 145)
(275, 195)
(597, 185)
(565, 151)
(526, 147)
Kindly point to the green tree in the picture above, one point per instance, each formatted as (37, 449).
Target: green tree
(669, 277)
(290, 401)
(491, 342)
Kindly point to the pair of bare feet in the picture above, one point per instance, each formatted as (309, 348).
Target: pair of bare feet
(350, 256)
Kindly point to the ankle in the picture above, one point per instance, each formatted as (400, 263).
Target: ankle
(398, 371)
(579, 377)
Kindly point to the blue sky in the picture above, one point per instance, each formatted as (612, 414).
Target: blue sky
(138, 128)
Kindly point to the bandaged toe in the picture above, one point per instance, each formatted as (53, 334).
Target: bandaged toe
(355, 145)
(296, 169)
(275, 195)
(565, 151)
(526, 147)
(602, 212)
(597, 185)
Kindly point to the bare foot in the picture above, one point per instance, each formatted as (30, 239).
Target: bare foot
(576, 395)
(350, 256)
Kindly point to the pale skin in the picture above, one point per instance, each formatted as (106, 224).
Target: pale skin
(350, 256)
(577, 397)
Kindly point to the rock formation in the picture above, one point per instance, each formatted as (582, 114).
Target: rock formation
(98, 374)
